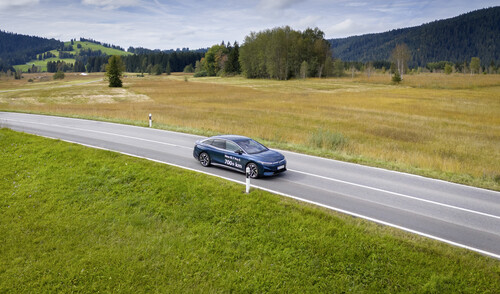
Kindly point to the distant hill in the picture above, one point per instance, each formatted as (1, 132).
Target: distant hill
(18, 49)
(458, 39)
(71, 52)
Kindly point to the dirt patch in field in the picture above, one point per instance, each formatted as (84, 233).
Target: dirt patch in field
(110, 96)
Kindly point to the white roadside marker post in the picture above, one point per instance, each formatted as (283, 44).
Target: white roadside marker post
(248, 180)
(150, 121)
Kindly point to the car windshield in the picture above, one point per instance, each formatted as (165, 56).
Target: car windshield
(251, 147)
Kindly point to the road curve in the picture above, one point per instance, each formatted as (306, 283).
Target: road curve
(460, 215)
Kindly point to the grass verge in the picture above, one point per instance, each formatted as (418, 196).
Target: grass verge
(78, 219)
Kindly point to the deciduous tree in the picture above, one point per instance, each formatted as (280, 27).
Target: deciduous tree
(400, 56)
(475, 64)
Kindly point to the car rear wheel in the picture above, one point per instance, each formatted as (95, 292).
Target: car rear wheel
(254, 170)
(204, 159)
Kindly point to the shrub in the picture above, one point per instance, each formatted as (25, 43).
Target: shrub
(59, 75)
(396, 78)
(200, 74)
(189, 68)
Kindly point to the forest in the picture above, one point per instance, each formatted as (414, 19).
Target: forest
(19, 49)
(456, 40)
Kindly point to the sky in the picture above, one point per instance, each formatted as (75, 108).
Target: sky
(172, 24)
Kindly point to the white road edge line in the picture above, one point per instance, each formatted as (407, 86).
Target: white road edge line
(497, 256)
(398, 194)
(100, 132)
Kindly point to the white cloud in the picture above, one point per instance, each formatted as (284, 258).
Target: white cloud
(4, 4)
(278, 4)
(112, 4)
(342, 27)
(308, 21)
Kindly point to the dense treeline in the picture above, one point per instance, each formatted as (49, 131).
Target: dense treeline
(160, 62)
(457, 39)
(141, 50)
(19, 49)
(155, 63)
(283, 53)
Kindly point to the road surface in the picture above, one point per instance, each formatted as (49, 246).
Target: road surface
(463, 216)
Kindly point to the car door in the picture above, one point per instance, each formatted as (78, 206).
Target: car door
(218, 151)
(231, 156)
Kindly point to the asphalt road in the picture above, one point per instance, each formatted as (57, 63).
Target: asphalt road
(463, 216)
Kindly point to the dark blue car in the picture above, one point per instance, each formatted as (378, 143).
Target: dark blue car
(238, 153)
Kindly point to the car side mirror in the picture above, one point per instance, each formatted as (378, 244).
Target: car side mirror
(239, 151)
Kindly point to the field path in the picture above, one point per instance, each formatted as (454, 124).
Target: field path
(463, 216)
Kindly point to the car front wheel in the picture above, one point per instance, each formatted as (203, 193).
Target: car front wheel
(254, 170)
(204, 159)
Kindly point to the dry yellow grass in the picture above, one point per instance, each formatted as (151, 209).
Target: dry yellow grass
(432, 124)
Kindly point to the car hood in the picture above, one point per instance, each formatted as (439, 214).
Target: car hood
(268, 156)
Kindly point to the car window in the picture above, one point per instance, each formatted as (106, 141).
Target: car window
(231, 146)
(251, 146)
(219, 143)
(208, 142)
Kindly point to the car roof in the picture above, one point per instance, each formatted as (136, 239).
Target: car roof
(230, 137)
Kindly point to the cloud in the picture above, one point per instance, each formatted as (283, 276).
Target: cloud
(4, 4)
(342, 27)
(278, 4)
(112, 4)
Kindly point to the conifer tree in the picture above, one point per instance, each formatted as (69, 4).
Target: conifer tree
(114, 71)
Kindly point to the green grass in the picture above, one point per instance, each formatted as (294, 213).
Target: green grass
(42, 63)
(75, 219)
(95, 47)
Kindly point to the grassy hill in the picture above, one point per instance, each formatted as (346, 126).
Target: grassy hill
(76, 51)
(94, 47)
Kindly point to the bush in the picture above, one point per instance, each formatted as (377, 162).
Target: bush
(396, 78)
(189, 68)
(59, 75)
(448, 69)
(200, 74)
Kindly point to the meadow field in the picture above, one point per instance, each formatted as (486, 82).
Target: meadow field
(77, 219)
(436, 125)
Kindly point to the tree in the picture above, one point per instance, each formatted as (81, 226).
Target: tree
(188, 68)
(215, 59)
(396, 78)
(168, 70)
(475, 64)
(303, 69)
(232, 65)
(448, 69)
(156, 69)
(279, 53)
(400, 56)
(338, 68)
(114, 71)
(369, 69)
